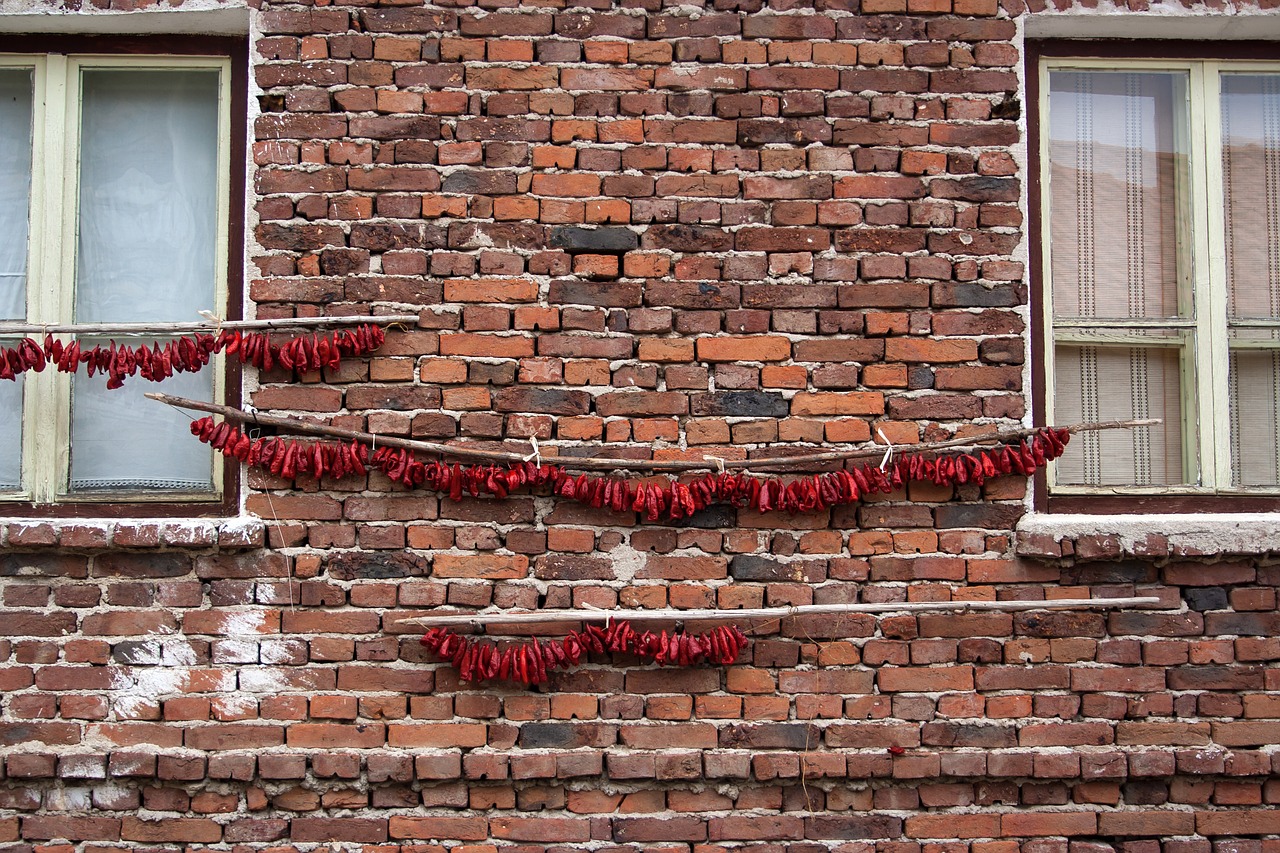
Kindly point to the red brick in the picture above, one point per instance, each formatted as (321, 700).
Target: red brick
(454, 828)
(924, 679)
(1034, 824)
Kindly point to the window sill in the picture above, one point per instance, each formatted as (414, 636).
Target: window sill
(1108, 537)
(225, 534)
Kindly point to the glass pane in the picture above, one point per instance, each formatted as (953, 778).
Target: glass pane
(1097, 383)
(10, 433)
(15, 189)
(1255, 416)
(1118, 177)
(148, 195)
(1251, 186)
(121, 441)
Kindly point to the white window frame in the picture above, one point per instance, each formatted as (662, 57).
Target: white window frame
(51, 263)
(1205, 403)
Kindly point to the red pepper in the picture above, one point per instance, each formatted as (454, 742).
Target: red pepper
(34, 354)
(762, 502)
(573, 648)
(988, 466)
(1038, 444)
(657, 503)
(716, 641)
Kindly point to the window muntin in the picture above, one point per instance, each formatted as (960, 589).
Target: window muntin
(129, 223)
(1150, 243)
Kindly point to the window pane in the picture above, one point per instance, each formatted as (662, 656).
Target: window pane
(121, 441)
(15, 189)
(148, 195)
(10, 434)
(1095, 383)
(1251, 186)
(1255, 414)
(1118, 174)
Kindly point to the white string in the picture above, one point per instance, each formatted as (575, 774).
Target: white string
(214, 319)
(718, 460)
(536, 454)
(256, 431)
(888, 454)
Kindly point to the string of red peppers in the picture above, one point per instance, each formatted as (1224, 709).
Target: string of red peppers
(673, 500)
(190, 353)
(530, 661)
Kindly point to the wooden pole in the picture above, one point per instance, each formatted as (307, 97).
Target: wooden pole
(463, 452)
(538, 617)
(204, 326)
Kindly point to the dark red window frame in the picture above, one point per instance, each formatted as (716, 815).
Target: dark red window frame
(1119, 49)
(237, 49)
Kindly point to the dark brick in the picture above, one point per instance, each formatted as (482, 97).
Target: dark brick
(749, 404)
(594, 240)
(853, 827)
(368, 565)
(567, 735)
(750, 567)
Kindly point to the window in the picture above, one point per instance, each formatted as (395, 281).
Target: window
(115, 178)
(1160, 270)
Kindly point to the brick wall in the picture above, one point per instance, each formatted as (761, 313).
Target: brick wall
(675, 231)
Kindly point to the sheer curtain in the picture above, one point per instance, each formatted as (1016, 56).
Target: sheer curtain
(146, 250)
(1116, 171)
(15, 205)
(1251, 191)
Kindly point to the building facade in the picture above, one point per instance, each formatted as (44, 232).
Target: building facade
(653, 231)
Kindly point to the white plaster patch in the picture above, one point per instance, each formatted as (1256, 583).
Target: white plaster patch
(144, 686)
(244, 623)
(237, 705)
(263, 680)
(68, 800)
(147, 686)
(278, 651)
(626, 561)
(178, 653)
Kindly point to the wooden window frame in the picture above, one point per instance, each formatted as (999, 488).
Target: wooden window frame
(56, 60)
(1203, 63)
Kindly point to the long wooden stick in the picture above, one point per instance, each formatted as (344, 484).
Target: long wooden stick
(536, 617)
(293, 425)
(205, 326)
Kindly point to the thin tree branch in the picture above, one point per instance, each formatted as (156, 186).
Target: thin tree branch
(204, 326)
(510, 617)
(462, 452)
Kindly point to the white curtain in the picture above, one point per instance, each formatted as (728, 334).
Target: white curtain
(122, 441)
(10, 433)
(1251, 189)
(15, 203)
(146, 251)
(1120, 383)
(15, 189)
(1115, 171)
(148, 195)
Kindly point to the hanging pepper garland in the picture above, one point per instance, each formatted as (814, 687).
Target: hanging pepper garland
(190, 353)
(673, 499)
(530, 661)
